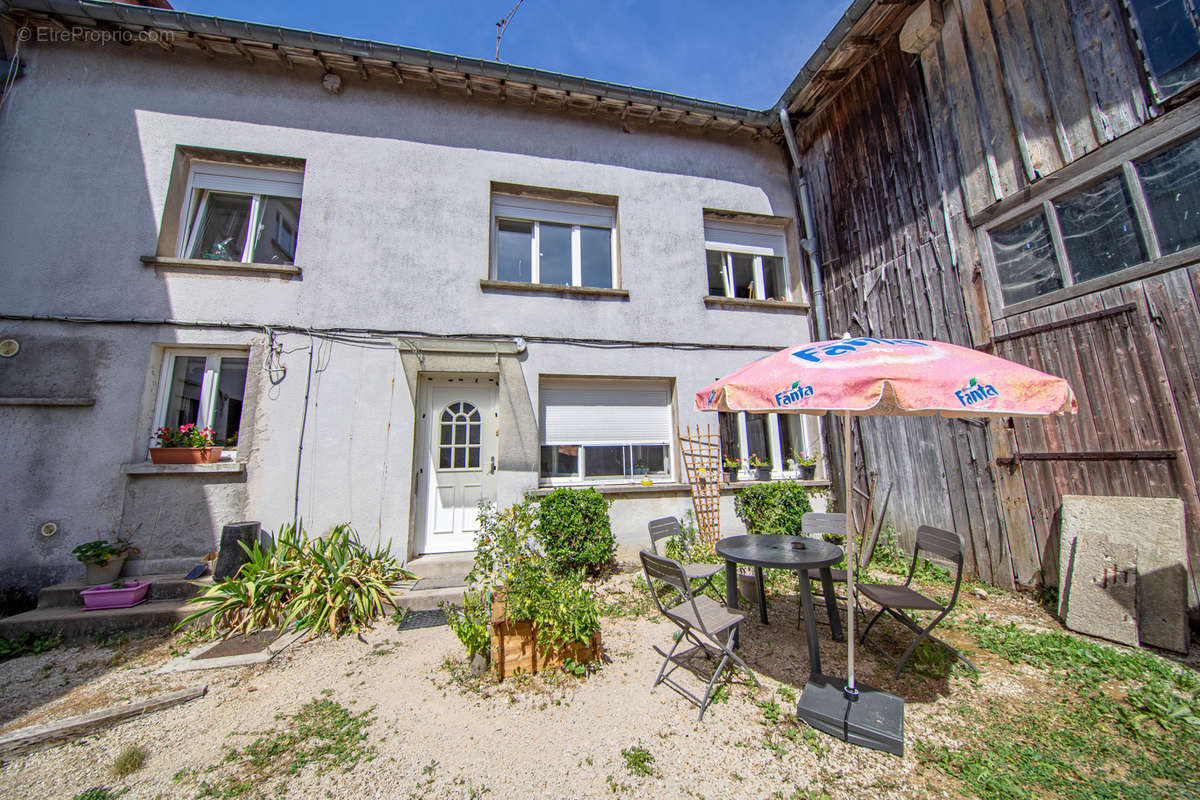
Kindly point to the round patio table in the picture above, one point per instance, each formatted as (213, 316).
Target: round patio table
(772, 551)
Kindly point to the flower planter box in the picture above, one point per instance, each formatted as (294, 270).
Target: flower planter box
(97, 574)
(806, 473)
(762, 473)
(185, 455)
(515, 649)
(130, 595)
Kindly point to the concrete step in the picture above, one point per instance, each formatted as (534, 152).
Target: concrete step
(443, 566)
(162, 587)
(418, 599)
(76, 623)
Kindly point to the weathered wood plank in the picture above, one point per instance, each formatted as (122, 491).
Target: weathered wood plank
(980, 184)
(1109, 68)
(1070, 103)
(999, 129)
(1022, 75)
(35, 735)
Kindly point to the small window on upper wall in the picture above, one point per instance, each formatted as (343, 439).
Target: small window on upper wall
(203, 388)
(1169, 34)
(746, 261)
(238, 213)
(553, 242)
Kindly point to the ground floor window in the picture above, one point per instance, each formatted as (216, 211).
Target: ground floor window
(776, 439)
(605, 431)
(205, 389)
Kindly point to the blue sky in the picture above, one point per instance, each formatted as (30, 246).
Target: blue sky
(745, 55)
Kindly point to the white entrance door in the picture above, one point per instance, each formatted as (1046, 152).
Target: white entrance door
(457, 462)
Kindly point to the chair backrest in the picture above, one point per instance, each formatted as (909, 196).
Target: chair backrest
(670, 572)
(868, 550)
(946, 544)
(663, 528)
(815, 522)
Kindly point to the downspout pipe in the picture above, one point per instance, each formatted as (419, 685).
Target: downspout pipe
(809, 243)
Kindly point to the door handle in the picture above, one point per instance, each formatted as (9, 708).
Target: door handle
(492, 470)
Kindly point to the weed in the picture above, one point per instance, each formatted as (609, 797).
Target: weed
(638, 602)
(129, 761)
(771, 711)
(890, 556)
(97, 793)
(720, 694)
(638, 760)
(28, 644)
(787, 692)
(616, 787)
(473, 792)
(111, 638)
(322, 735)
(399, 617)
(776, 748)
(815, 742)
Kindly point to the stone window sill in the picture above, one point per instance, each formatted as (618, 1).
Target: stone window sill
(147, 468)
(517, 287)
(204, 265)
(750, 304)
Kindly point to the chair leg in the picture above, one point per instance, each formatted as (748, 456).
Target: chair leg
(862, 639)
(742, 664)
(667, 660)
(708, 692)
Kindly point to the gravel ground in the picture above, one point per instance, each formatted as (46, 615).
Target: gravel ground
(532, 738)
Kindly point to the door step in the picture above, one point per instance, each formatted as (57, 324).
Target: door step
(411, 595)
(442, 566)
(162, 587)
(75, 623)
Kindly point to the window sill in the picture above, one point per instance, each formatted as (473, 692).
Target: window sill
(750, 304)
(147, 468)
(205, 265)
(586, 292)
(615, 488)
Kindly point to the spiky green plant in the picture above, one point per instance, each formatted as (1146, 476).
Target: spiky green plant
(329, 585)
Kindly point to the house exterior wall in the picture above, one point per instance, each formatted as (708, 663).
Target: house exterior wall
(394, 235)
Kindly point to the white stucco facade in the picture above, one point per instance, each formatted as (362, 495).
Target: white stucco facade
(394, 235)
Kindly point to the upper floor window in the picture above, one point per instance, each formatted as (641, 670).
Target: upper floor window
(1169, 34)
(238, 213)
(553, 242)
(615, 430)
(746, 261)
(204, 388)
(1139, 211)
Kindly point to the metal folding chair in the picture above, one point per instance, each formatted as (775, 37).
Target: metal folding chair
(702, 622)
(701, 574)
(895, 600)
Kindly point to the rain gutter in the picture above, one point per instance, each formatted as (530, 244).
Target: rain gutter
(808, 243)
(186, 23)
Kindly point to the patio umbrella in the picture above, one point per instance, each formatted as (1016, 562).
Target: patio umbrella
(870, 376)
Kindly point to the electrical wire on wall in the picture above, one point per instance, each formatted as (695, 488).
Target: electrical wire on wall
(14, 69)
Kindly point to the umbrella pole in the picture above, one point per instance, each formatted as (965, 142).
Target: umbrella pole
(851, 553)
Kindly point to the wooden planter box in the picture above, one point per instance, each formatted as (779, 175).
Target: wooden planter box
(185, 455)
(515, 648)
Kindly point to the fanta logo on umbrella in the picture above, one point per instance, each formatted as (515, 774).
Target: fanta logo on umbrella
(975, 392)
(794, 394)
(814, 353)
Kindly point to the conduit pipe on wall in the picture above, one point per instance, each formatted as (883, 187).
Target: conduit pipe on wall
(809, 243)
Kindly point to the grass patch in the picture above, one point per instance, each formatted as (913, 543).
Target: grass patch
(1118, 725)
(131, 759)
(28, 644)
(323, 735)
(637, 602)
(97, 793)
(638, 760)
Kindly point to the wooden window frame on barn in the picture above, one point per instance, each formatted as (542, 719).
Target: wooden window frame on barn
(209, 181)
(513, 211)
(1118, 159)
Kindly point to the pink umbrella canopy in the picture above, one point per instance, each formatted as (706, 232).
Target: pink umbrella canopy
(873, 376)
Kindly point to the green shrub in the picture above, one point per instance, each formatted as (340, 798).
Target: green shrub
(330, 585)
(28, 644)
(772, 507)
(574, 530)
(470, 623)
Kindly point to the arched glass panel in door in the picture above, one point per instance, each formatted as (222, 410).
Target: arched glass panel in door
(461, 428)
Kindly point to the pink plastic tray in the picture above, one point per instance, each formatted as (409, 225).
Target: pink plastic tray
(104, 597)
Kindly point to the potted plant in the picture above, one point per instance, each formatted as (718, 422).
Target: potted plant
(806, 465)
(118, 594)
(102, 559)
(762, 469)
(731, 466)
(186, 444)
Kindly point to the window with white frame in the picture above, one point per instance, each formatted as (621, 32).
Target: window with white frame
(746, 261)
(553, 242)
(605, 431)
(238, 213)
(1137, 210)
(777, 439)
(204, 388)
(1168, 32)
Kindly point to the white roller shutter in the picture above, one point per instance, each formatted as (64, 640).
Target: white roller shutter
(741, 238)
(606, 412)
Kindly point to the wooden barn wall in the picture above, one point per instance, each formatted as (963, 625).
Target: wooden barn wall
(1030, 86)
(882, 201)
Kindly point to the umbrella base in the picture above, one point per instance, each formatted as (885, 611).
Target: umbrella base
(875, 719)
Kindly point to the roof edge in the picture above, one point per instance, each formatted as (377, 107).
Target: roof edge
(824, 50)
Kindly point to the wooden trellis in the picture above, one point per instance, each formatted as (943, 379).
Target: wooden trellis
(702, 459)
